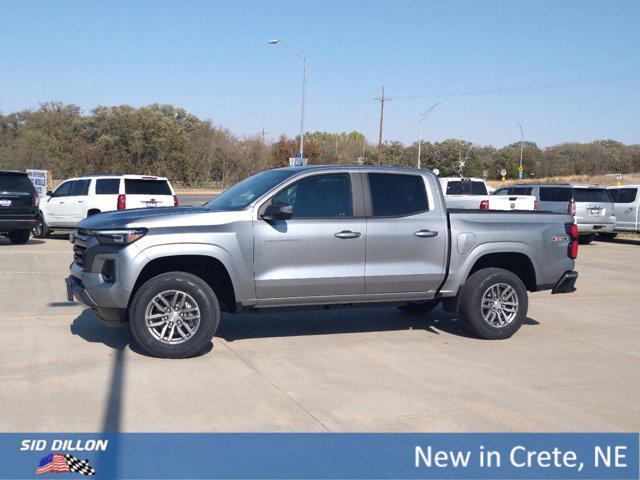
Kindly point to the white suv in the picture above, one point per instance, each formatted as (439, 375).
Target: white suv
(78, 198)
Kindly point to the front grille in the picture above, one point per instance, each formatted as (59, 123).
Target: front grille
(78, 255)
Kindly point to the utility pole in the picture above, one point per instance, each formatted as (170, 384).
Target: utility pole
(263, 134)
(382, 100)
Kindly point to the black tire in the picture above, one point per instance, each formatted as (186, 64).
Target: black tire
(19, 237)
(203, 296)
(41, 230)
(471, 300)
(418, 308)
(607, 236)
(586, 239)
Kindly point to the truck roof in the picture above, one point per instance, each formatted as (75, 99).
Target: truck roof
(356, 167)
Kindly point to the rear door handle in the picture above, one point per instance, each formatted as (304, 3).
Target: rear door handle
(425, 233)
(347, 234)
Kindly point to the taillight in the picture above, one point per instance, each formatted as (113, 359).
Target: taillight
(36, 200)
(484, 205)
(535, 204)
(571, 209)
(122, 202)
(572, 231)
(175, 200)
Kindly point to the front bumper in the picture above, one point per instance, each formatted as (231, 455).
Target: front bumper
(76, 291)
(112, 317)
(567, 282)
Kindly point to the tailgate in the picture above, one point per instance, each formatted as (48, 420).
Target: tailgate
(513, 202)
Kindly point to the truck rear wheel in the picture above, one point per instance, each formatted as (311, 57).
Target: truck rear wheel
(493, 303)
(174, 315)
(41, 230)
(18, 237)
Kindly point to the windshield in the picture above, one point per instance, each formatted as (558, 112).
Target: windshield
(12, 182)
(245, 192)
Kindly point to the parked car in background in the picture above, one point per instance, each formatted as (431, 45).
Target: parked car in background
(626, 201)
(595, 212)
(79, 198)
(551, 197)
(18, 206)
(473, 194)
(316, 236)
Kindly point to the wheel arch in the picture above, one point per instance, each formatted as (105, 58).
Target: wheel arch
(518, 263)
(210, 268)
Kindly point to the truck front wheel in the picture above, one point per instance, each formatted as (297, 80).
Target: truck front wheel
(493, 303)
(174, 315)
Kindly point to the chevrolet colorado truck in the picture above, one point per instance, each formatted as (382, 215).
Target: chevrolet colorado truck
(316, 237)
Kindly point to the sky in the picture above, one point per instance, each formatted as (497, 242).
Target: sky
(566, 70)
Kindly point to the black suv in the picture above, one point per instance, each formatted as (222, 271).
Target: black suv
(18, 206)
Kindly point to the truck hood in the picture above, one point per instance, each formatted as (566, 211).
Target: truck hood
(145, 217)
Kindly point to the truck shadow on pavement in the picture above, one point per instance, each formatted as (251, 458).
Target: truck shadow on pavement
(348, 320)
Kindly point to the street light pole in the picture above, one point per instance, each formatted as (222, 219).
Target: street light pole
(302, 61)
(521, 144)
(422, 117)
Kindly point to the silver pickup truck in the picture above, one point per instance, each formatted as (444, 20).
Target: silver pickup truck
(316, 237)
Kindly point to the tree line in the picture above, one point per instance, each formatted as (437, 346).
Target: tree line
(169, 141)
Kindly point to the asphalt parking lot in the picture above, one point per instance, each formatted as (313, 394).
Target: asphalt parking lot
(573, 367)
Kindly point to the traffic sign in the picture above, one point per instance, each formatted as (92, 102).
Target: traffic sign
(520, 175)
(521, 169)
(503, 179)
(503, 172)
(436, 172)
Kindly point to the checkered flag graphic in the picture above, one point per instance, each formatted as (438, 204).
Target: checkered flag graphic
(79, 466)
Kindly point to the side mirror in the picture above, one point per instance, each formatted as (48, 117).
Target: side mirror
(278, 212)
(49, 193)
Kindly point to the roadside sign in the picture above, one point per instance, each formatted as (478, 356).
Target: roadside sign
(619, 178)
(297, 162)
(503, 173)
(485, 173)
(298, 155)
(436, 172)
(40, 179)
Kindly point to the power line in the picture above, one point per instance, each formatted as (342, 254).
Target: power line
(616, 77)
(527, 72)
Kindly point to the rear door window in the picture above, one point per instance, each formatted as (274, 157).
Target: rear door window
(466, 187)
(108, 186)
(395, 195)
(555, 194)
(623, 195)
(146, 187)
(591, 195)
(15, 183)
(80, 188)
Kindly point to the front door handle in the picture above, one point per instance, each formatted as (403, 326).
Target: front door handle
(628, 210)
(347, 234)
(425, 233)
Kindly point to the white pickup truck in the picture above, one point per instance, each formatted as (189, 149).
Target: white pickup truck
(473, 194)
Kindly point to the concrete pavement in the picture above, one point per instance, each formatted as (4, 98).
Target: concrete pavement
(573, 367)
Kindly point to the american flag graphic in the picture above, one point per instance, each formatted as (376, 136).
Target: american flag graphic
(59, 463)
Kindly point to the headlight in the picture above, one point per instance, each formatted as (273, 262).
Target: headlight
(119, 237)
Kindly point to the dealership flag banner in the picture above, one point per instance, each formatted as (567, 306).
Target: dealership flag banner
(321, 455)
